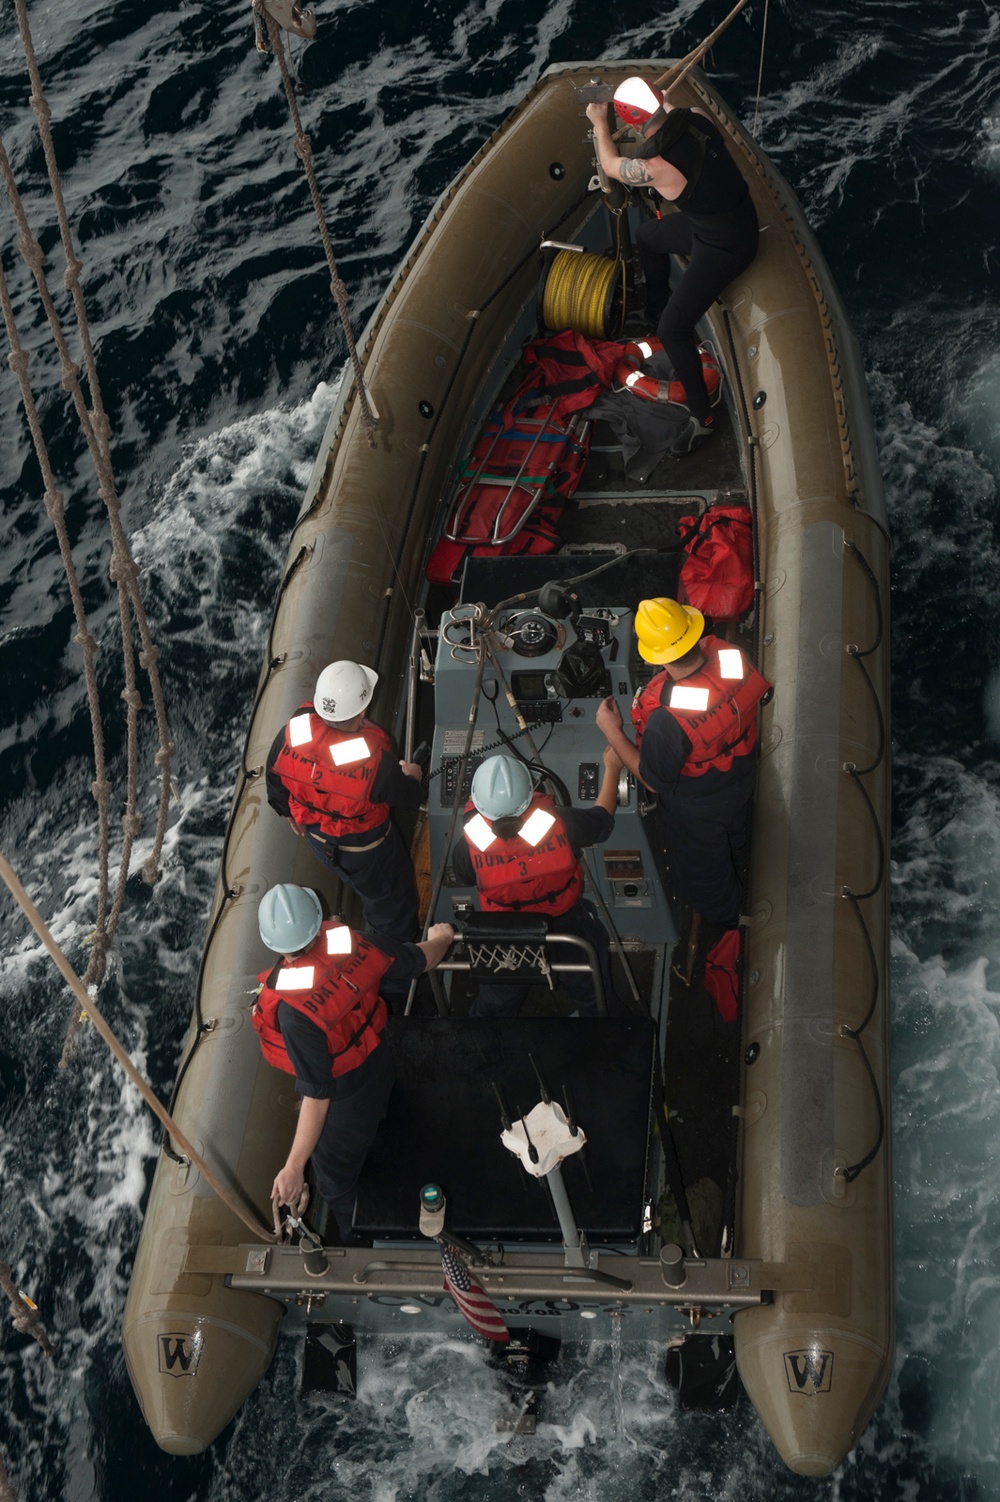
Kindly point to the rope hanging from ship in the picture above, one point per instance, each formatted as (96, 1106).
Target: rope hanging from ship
(96, 429)
(215, 1183)
(292, 17)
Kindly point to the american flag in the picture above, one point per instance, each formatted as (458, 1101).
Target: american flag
(481, 1313)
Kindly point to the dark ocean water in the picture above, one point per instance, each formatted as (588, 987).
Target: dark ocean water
(218, 350)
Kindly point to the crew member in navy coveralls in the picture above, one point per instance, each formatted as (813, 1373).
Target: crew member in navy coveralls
(335, 777)
(684, 159)
(696, 729)
(319, 1016)
(523, 853)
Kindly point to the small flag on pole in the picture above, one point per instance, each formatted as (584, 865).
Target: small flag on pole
(480, 1311)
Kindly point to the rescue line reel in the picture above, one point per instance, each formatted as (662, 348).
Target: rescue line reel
(583, 292)
(630, 374)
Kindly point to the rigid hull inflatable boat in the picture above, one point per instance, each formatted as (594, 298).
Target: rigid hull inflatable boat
(783, 1114)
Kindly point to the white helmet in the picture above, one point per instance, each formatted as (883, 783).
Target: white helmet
(289, 918)
(501, 786)
(343, 689)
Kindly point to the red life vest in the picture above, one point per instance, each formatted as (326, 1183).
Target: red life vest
(337, 798)
(721, 731)
(339, 992)
(515, 876)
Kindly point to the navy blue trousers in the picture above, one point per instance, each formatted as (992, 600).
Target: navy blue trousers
(702, 854)
(357, 1108)
(383, 879)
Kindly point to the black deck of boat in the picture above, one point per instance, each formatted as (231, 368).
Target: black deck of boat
(444, 1126)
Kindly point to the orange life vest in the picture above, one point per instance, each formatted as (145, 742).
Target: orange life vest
(338, 992)
(516, 876)
(725, 727)
(337, 798)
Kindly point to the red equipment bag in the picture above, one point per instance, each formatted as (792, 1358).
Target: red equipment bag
(722, 974)
(717, 574)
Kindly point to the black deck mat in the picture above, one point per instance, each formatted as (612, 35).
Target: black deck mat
(444, 1126)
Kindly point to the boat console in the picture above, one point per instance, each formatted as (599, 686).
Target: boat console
(558, 671)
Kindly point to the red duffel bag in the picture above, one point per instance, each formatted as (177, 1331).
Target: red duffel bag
(717, 574)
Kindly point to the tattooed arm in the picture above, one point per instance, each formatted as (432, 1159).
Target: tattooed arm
(633, 172)
(653, 172)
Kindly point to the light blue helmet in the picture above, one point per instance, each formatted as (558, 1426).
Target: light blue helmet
(502, 786)
(289, 918)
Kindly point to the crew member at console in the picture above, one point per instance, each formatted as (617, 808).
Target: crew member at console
(335, 777)
(684, 159)
(696, 729)
(319, 1016)
(523, 852)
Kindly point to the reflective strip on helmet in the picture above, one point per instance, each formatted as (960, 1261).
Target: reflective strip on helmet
(300, 730)
(682, 697)
(295, 978)
(479, 832)
(338, 940)
(730, 663)
(345, 753)
(536, 826)
(637, 95)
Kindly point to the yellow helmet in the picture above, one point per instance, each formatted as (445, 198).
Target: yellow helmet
(666, 629)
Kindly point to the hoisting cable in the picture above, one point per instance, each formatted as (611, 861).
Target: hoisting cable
(303, 150)
(760, 73)
(69, 975)
(856, 898)
(680, 70)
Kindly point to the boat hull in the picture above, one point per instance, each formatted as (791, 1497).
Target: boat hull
(816, 1359)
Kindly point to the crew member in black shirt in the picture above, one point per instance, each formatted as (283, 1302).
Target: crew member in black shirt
(683, 158)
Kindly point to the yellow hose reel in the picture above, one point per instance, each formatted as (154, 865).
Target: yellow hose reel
(584, 292)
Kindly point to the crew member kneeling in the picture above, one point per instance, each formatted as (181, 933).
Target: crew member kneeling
(335, 777)
(696, 730)
(523, 855)
(319, 1016)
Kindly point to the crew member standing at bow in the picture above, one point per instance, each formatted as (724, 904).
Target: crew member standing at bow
(523, 855)
(335, 777)
(684, 159)
(696, 729)
(319, 1016)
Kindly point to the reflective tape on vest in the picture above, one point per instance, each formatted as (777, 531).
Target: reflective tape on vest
(300, 730)
(730, 663)
(683, 697)
(345, 753)
(338, 940)
(295, 978)
(479, 832)
(536, 826)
